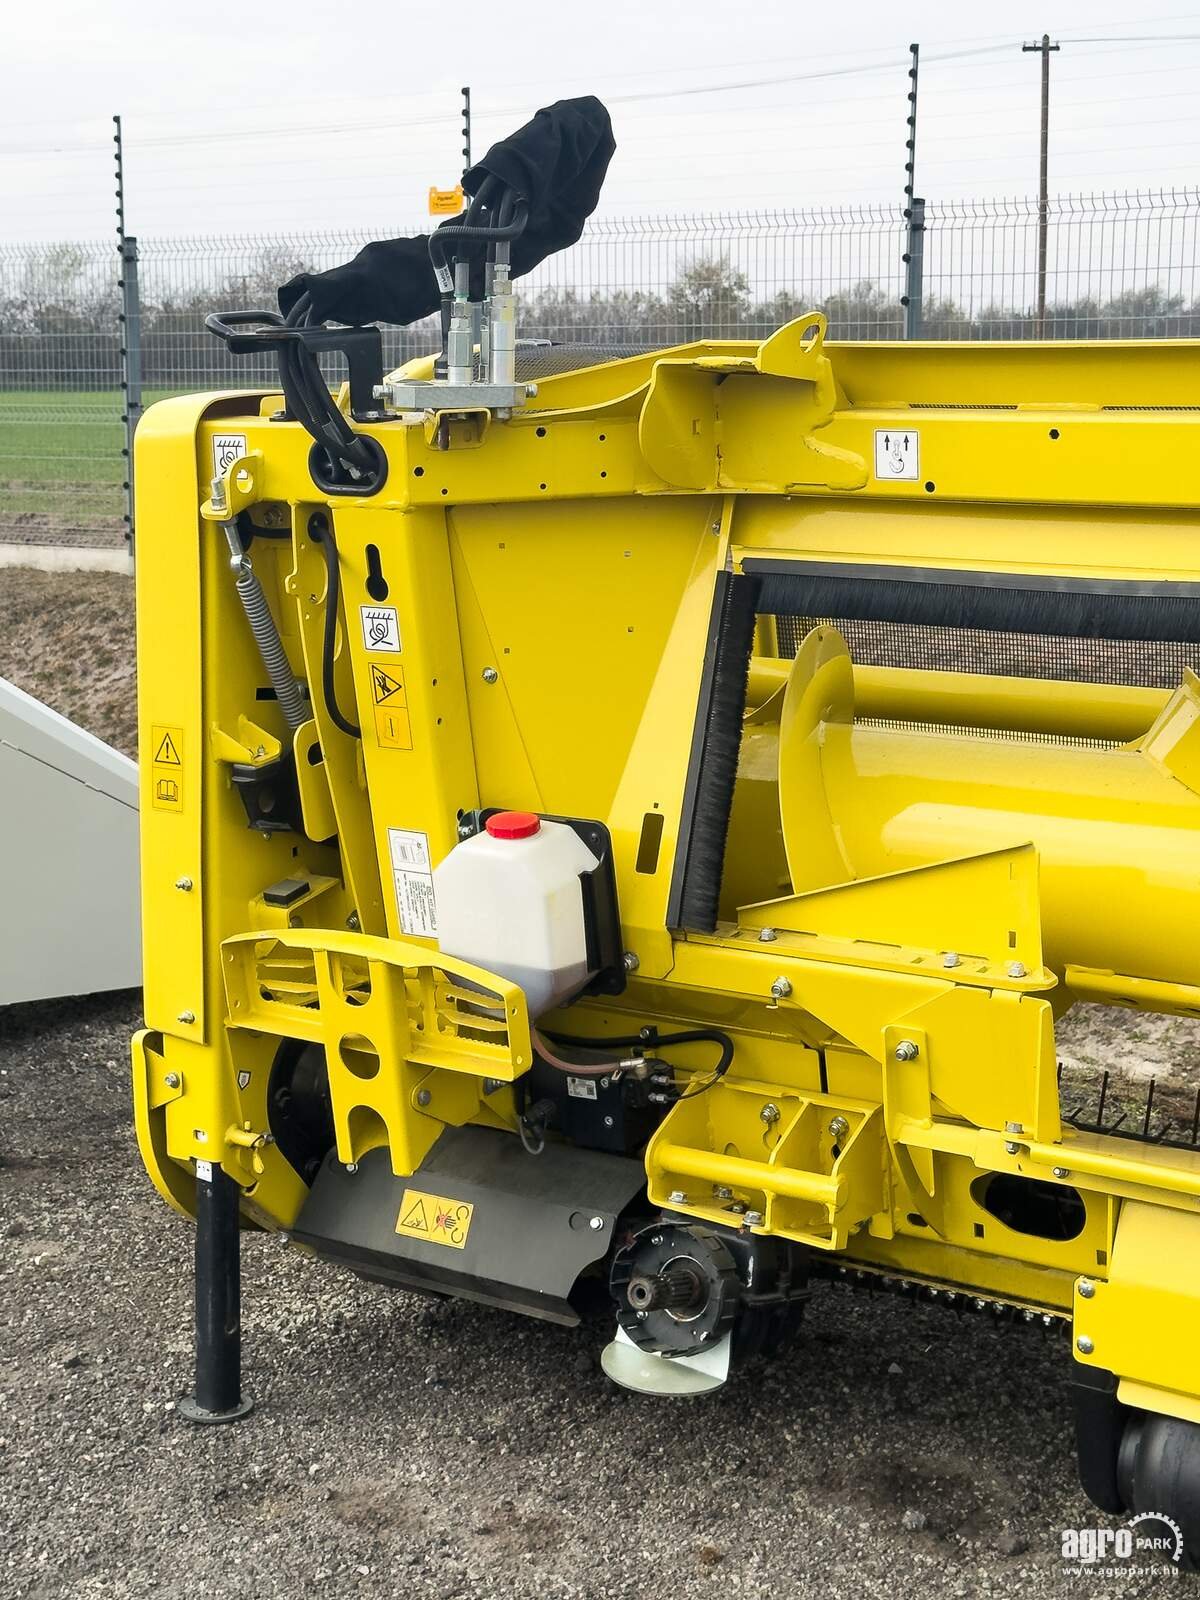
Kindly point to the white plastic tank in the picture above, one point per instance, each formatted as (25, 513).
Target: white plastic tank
(509, 900)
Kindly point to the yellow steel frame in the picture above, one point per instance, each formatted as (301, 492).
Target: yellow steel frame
(553, 580)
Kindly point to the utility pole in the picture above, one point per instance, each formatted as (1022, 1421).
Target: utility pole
(914, 214)
(466, 116)
(1043, 47)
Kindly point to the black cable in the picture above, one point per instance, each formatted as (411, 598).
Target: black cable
(651, 1039)
(324, 537)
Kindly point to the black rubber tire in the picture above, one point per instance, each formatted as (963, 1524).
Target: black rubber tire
(1158, 1470)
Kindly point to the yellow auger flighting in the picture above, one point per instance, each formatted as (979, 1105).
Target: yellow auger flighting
(640, 816)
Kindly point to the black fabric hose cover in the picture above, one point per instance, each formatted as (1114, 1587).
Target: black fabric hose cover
(556, 163)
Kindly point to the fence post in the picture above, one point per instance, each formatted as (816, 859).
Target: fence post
(131, 367)
(914, 269)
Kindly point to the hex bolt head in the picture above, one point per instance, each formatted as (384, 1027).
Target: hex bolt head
(186, 1017)
(1087, 1288)
(608, 1122)
(490, 1085)
(677, 1197)
(595, 1223)
(184, 885)
(1061, 1172)
(839, 1128)
(950, 959)
(1084, 1345)
(1016, 969)
(781, 988)
(424, 1096)
(352, 1167)
(769, 1113)
(722, 1192)
(630, 961)
(767, 936)
(752, 1219)
(907, 1050)
(490, 675)
(531, 390)
(352, 922)
(172, 1080)
(1011, 1147)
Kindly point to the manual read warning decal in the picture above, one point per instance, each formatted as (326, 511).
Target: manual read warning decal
(434, 1218)
(166, 767)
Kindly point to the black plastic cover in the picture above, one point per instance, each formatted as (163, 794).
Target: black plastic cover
(556, 163)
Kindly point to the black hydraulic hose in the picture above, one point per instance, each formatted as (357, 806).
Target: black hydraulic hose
(332, 591)
(649, 1039)
(440, 237)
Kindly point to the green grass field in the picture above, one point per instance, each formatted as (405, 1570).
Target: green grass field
(60, 458)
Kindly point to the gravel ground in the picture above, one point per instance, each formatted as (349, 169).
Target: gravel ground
(414, 1448)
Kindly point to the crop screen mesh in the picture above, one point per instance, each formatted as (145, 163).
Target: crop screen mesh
(1003, 655)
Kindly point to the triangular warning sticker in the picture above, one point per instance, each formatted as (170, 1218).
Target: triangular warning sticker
(416, 1218)
(166, 755)
(384, 685)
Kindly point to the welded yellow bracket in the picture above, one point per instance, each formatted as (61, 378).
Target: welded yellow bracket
(394, 1019)
(746, 420)
(809, 1167)
(1143, 1322)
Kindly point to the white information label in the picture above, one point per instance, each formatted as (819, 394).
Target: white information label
(204, 1171)
(412, 873)
(581, 1088)
(897, 455)
(381, 628)
(227, 447)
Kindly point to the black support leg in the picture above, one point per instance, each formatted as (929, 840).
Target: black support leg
(218, 1394)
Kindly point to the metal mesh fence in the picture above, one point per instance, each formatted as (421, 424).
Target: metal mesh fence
(1118, 266)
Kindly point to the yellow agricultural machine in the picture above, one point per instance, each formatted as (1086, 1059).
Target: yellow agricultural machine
(636, 819)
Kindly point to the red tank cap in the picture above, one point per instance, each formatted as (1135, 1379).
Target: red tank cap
(513, 825)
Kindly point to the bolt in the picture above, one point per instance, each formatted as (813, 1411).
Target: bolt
(1084, 1345)
(657, 1240)
(677, 1197)
(185, 884)
(1061, 1172)
(379, 391)
(352, 922)
(1014, 1127)
(608, 1122)
(352, 1167)
(1011, 1146)
(769, 1113)
(187, 1016)
(641, 1316)
(1016, 969)
(595, 1223)
(490, 675)
(720, 1192)
(839, 1127)
(752, 1219)
(1086, 1288)
(172, 1080)
(950, 959)
(714, 527)
(907, 1050)
(531, 391)
(630, 961)
(780, 989)
(767, 936)
(423, 1097)
(490, 1085)
(738, 1208)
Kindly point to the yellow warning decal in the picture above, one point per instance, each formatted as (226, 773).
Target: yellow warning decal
(434, 1218)
(387, 685)
(166, 767)
(392, 727)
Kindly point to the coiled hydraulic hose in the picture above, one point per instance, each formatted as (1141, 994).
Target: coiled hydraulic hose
(266, 635)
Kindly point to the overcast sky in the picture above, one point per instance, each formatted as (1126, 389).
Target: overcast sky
(271, 117)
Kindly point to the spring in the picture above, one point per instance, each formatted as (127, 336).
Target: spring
(262, 625)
